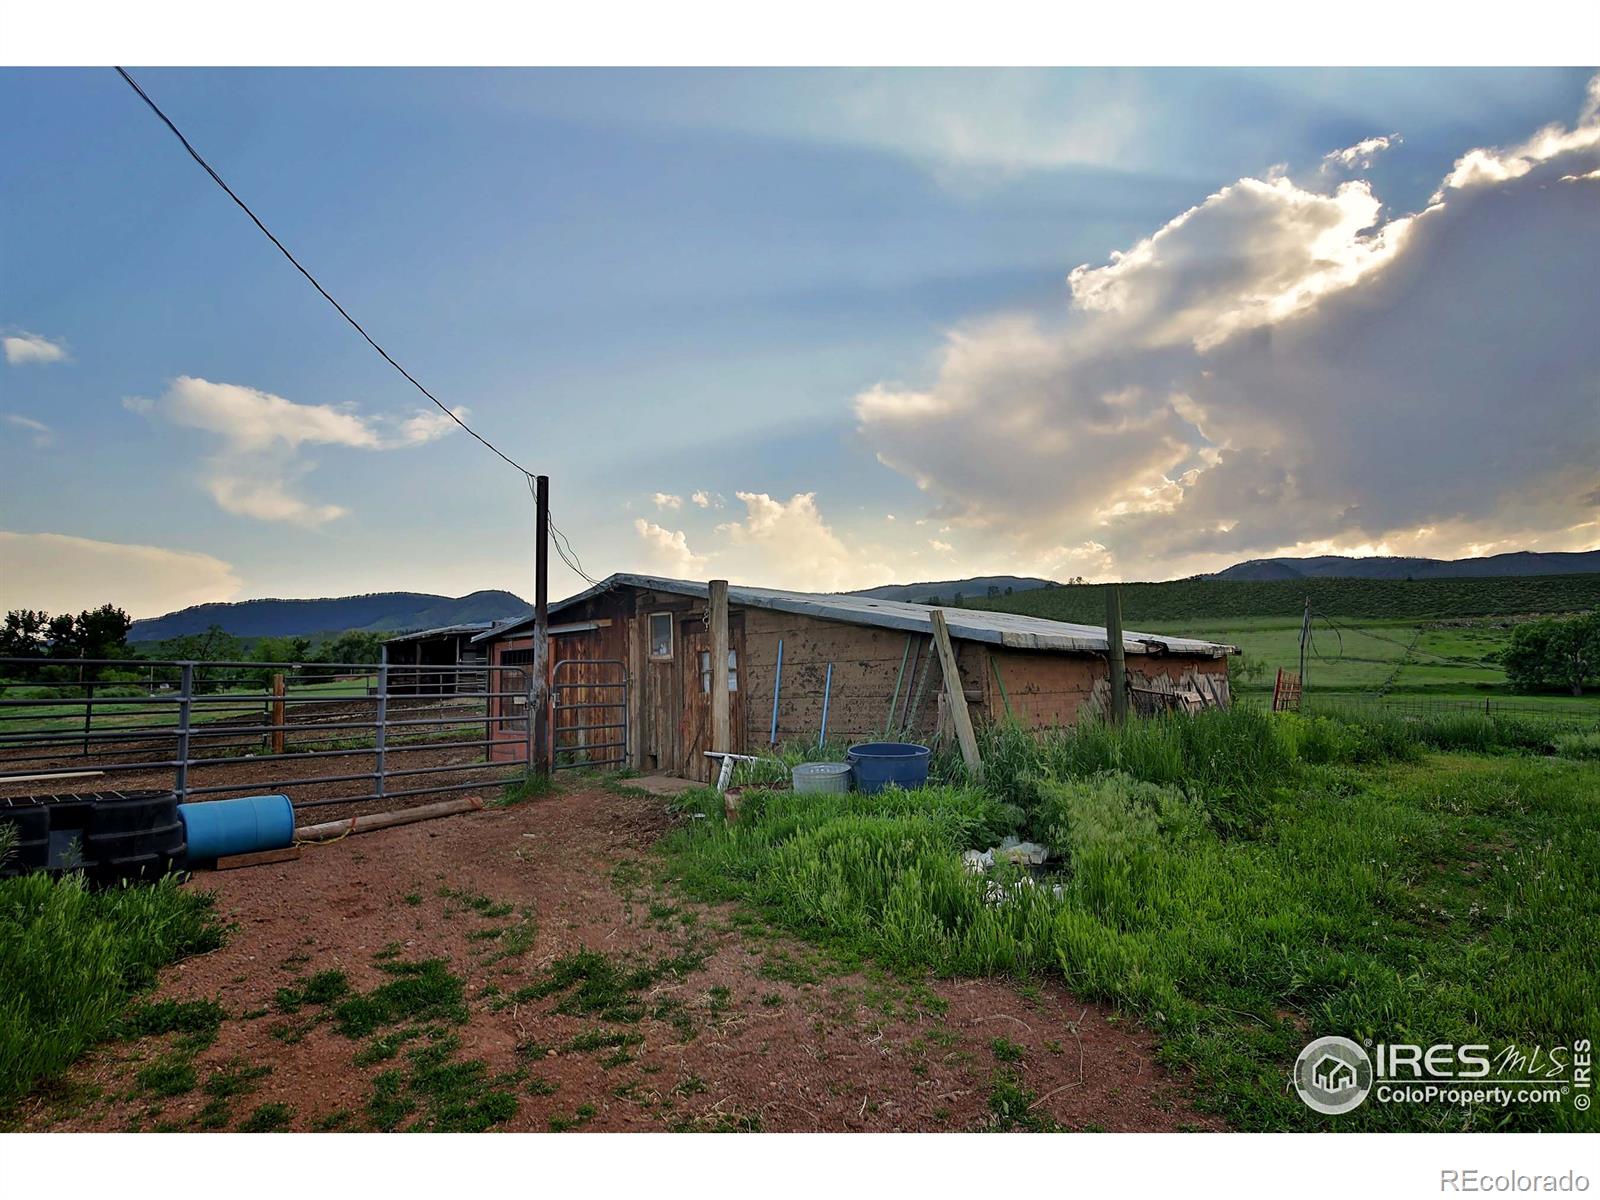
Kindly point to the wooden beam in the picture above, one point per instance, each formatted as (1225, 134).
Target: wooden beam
(955, 696)
(277, 712)
(1114, 655)
(721, 739)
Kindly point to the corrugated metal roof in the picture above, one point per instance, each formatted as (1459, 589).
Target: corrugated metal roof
(1011, 630)
(442, 631)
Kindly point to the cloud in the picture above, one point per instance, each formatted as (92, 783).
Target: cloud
(941, 547)
(23, 347)
(1361, 154)
(788, 543)
(667, 551)
(667, 500)
(704, 499)
(42, 434)
(262, 435)
(59, 573)
(1285, 366)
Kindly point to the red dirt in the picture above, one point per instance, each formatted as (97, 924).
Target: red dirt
(854, 1050)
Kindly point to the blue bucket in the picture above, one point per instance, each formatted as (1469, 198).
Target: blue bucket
(217, 828)
(879, 765)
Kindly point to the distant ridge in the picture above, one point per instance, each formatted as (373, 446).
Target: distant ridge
(1337, 566)
(379, 612)
(975, 588)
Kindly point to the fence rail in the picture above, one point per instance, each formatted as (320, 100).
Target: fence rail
(323, 733)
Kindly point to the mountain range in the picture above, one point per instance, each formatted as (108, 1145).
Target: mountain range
(1338, 566)
(401, 611)
(380, 612)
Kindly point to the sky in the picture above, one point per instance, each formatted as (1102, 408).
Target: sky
(810, 329)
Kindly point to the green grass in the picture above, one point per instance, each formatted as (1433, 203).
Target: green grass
(71, 959)
(1242, 882)
(423, 990)
(1374, 599)
(267, 1118)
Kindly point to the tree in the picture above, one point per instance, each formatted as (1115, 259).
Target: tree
(1554, 654)
(23, 635)
(353, 646)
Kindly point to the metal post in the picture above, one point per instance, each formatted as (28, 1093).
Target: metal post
(777, 688)
(1305, 638)
(1115, 656)
(378, 759)
(539, 683)
(88, 713)
(185, 702)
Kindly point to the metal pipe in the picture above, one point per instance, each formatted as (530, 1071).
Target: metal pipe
(181, 780)
(378, 760)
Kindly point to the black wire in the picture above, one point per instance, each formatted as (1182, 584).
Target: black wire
(284, 250)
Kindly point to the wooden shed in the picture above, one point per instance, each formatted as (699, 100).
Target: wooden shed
(630, 671)
(409, 656)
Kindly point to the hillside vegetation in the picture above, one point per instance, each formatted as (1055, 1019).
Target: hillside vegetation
(387, 612)
(1192, 601)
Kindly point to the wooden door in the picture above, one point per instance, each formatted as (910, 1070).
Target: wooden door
(695, 727)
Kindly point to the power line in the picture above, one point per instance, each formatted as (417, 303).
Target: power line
(312, 279)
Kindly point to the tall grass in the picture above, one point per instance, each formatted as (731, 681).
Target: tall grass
(70, 959)
(1243, 882)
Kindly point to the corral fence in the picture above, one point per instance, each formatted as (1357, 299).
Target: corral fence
(322, 733)
(1571, 716)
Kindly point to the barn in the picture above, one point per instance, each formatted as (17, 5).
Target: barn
(631, 672)
(410, 654)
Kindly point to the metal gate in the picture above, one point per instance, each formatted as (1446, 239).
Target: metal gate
(581, 688)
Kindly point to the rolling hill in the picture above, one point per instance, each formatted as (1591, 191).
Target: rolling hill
(1188, 601)
(380, 611)
(1338, 566)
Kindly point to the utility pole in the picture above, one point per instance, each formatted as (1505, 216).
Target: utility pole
(539, 684)
(717, 614)
(1115, 656)
(1305, 639)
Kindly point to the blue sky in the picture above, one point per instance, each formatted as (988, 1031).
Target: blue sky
(677, 282)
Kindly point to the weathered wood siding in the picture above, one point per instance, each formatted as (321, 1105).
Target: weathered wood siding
(866, 662)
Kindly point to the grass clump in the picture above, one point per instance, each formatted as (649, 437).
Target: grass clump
(423, 990)
(169, 1075)
(594, 984)
(267, 1118)
(321, 989)
(197, 1021)
(72, 957)
(446, 1095)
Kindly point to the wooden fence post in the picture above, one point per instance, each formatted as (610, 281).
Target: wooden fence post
(721, 738)
(277, 712)
(956, 696)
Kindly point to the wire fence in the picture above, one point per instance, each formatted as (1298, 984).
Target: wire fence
(324, 733)
(1578, 716)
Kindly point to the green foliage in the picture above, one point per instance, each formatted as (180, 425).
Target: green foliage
(1244, 884)
(1190, 600)
(1554, 655)
(71, 958)
(423, 990)
(322, 988)
(267, 1118)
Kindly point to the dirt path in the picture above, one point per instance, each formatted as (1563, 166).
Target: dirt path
(577, 991)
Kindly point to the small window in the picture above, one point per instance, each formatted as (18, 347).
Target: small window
(705, 671)
(660, 635)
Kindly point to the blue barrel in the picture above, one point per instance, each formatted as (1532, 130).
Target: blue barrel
(888, 764)
(217, 828)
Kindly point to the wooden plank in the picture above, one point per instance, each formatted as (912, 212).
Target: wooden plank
(277, 709)
(1114, 655)
(955, 696)
(259, 859)
(717, 619)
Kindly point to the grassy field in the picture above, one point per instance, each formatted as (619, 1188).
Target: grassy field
(1243, 883)
(1410, 644)
(1212, 600)
(141, 712)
